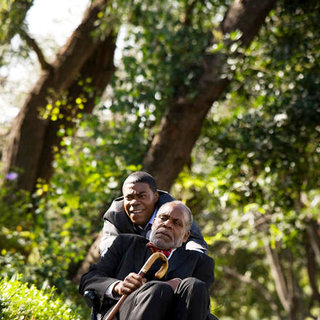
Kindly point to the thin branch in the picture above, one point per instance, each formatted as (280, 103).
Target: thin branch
(189, 13)
(295, 294)
(264, 292)
(313, 230)
(312, 271)
(33, 44)
(279, 278)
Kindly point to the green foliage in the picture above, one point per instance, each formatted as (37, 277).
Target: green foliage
(258, 163)
(14, 236)
(12, 15)
(31, 303)
(88, 176)
(163, 43)
(254, 179)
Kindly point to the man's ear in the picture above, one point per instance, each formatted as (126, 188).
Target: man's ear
(186, 236)
(156, 196)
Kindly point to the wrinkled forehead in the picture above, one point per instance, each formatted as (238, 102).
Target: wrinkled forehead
(175, 211)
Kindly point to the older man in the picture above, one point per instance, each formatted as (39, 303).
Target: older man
(181, 294)
(134, 212)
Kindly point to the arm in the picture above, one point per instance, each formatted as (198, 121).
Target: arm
(103, 274)
(109, 234)
(131, 282)
(111, 224)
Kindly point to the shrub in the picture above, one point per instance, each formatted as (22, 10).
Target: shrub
(20, 301)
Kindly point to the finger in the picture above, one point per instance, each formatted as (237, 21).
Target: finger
(132, 283)
(134, 279)
(133, 275)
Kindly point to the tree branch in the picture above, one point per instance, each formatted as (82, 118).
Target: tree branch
(278, 275)
(188, 13)
(311, 267)
(295, 295)
(264, 292)
(31, 42)
(313, 230)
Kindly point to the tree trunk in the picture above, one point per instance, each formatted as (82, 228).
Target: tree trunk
(184, 119)
(32, 137)
(279, 278)
(98, 69)
(287, 288)
(313, 230)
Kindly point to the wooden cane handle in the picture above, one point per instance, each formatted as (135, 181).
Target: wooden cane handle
(155, 256)
(159, 274)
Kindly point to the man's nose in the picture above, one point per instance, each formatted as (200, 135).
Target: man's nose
(168, 223)
(134, 202)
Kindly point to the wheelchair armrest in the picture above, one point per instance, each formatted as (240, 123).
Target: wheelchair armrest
(93, 302)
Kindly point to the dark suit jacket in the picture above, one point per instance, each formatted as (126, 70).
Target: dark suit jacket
(116, 221)
(128, 253)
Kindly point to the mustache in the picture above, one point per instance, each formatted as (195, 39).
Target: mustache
(164, 231)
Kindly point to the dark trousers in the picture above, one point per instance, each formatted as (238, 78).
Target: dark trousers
(156, 300)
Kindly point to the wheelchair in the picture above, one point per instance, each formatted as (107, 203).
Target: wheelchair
(93, 302)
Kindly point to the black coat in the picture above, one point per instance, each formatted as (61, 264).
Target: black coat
(128, 253)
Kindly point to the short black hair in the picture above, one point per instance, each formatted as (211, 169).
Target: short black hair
(141, 176)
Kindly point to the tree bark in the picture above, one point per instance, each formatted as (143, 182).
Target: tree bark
(313, 230)
(99, 69)
(312, 273)
(27, 142)
(181, 126)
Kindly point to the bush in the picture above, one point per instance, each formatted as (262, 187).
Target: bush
(20, 301)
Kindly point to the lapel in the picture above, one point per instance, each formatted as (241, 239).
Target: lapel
(141, 254)
(178, 260)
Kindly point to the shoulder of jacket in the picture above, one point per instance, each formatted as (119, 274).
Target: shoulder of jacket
(131, 238)
(164, 197)
(115, 207)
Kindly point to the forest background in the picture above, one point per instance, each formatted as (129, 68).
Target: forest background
(219, 100)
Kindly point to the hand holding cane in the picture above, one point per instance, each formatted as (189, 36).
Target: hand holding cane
(159, 274)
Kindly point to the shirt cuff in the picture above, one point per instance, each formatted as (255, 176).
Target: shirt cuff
(109, 290)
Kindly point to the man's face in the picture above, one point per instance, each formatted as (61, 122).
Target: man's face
(169, 228)
(139, 202)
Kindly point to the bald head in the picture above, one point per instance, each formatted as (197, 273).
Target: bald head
(171, 227)
(179, 204)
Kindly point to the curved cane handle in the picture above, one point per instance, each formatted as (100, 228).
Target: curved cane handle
(159, 274)
(155, 256)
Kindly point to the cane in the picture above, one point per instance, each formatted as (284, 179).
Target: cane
(159, 274)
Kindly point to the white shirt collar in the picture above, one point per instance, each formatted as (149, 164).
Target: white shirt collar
(152, 218)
